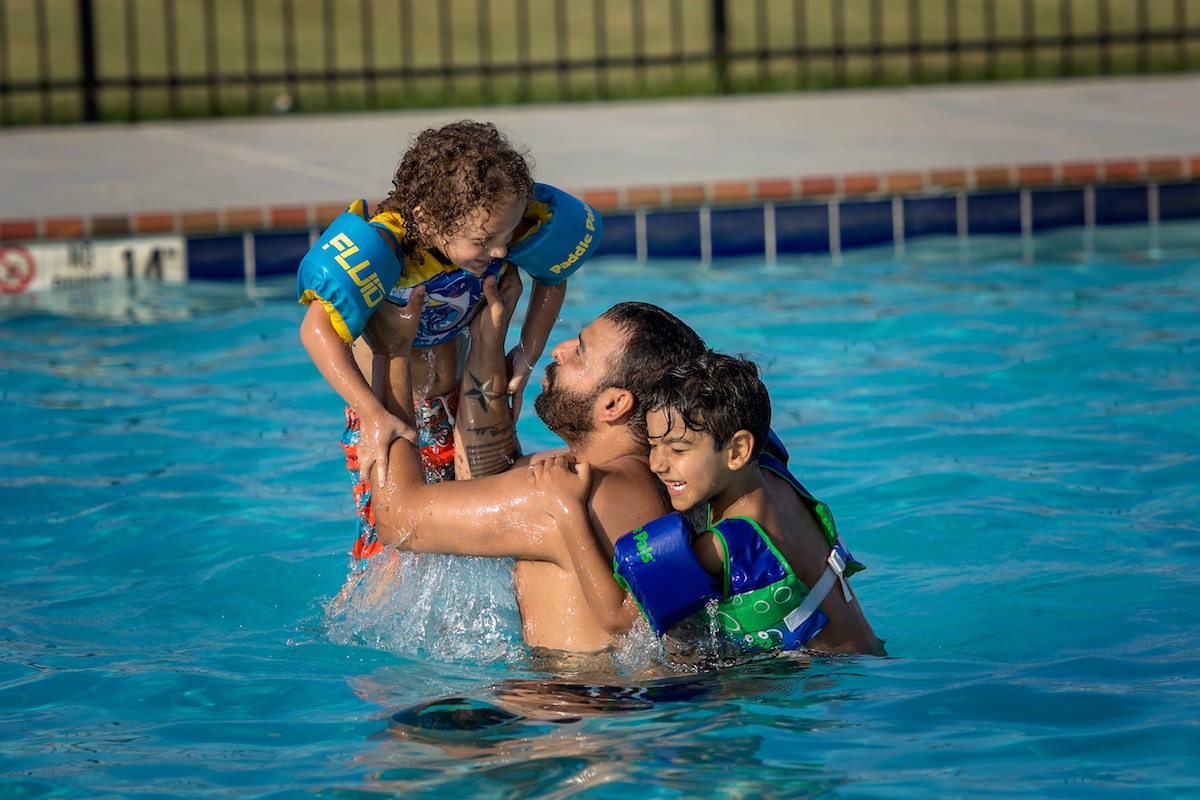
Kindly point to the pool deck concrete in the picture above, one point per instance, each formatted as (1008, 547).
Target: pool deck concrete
(621, 154)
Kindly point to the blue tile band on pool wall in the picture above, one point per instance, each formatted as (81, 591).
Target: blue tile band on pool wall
(1066, 208)
(674, 234)
(1123, 204)
(994, 213)
(793, 228)
(738, 232)
(865, 223)
(802, 228)
(218, 258)
(930, 216)
(1178, 201)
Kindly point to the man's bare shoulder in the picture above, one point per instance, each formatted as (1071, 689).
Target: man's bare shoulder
(630, 472)
(625, 495)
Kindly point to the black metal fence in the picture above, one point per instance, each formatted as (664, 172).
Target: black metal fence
(89, 60)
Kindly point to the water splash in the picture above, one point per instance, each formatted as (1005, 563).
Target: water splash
(453, 608)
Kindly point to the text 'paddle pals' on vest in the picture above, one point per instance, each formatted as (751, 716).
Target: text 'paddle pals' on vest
(581, 248)
(643, 546)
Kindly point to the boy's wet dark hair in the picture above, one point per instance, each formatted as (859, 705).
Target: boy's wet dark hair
(452, 171)
(718, 395)
(657, 341)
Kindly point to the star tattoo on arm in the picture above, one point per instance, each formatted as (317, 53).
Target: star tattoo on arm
(484, 392)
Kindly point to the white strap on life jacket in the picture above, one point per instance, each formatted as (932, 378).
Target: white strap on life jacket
(835, 566)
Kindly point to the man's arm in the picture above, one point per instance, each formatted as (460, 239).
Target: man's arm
(497, 515)
(493, 516)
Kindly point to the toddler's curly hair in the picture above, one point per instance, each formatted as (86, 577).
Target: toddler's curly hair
(452, 171)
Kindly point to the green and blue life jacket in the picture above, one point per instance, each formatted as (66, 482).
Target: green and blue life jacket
(760, 603)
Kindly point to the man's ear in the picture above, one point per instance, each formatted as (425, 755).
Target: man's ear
(614, 405)
(740, 450)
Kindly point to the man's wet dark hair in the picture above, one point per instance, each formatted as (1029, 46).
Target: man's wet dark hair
(657, 341)
(715, 394)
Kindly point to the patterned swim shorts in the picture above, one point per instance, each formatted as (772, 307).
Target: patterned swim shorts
(435, 432)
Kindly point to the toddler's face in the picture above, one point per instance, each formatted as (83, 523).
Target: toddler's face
(484, 237)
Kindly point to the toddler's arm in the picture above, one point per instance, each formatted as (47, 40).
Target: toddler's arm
(545, 303)
(563, 492)
(336, 364)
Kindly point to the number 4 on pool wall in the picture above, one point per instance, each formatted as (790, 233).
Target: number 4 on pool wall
(147, 263)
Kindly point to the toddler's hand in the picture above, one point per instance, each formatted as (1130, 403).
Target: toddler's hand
(519, 370)
(375, 441)
(561, 485)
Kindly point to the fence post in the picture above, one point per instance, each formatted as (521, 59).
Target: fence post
(87, 60)
(720, 44)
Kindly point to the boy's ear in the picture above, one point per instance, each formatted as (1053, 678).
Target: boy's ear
(614, 404)
(740, 450)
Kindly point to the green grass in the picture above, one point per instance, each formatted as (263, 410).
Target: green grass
(433, 53)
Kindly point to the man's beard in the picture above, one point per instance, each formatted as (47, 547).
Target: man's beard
(565, 412)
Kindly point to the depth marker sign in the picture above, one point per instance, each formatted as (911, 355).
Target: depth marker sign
(40, 266)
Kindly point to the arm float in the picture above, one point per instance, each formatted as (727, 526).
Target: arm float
(565, 233)
(350, 270)
(656, 564)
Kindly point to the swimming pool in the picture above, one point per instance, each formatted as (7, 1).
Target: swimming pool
(1009, 443)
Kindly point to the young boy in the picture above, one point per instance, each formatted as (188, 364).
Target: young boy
(463, 207)
(769, 555)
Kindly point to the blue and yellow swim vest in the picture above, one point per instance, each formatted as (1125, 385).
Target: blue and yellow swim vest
(354, 266)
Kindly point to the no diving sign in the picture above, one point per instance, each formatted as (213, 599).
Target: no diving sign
(17, 270)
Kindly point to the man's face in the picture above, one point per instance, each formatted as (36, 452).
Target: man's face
(575, 379)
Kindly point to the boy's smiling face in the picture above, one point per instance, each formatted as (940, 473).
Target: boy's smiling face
(687, 462)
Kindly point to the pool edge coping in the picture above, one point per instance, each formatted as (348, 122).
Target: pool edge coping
(812, 188)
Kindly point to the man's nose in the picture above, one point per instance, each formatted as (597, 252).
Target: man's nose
(560, 350)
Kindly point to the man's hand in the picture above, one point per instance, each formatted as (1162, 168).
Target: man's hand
(561, 485)
(392, 328)
(490, 325)
(375, 440)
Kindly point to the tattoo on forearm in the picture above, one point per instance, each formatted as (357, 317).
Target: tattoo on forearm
(485, 392)
(488, 458)
(489, 430)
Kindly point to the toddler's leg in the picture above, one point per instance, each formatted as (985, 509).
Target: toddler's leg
(435, 430)
(435, 426)
(365, 543)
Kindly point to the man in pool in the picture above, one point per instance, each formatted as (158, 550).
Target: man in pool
(591, 397)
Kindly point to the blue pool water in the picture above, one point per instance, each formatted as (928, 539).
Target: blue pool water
(1010, 445)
